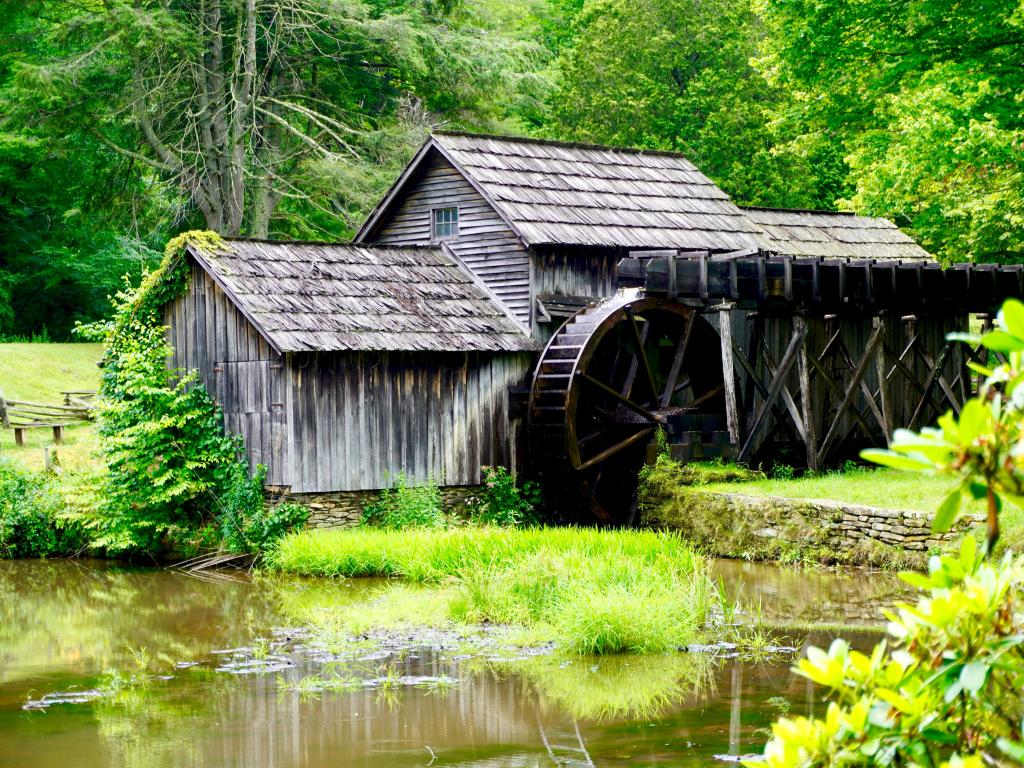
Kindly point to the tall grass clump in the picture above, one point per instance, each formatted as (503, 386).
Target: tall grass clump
(595, 591)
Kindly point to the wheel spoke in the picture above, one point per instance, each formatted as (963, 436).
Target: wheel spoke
(607, 453)
(703, 398)
(677, 362)
(634, 365)
(624, 400)
(642, 353)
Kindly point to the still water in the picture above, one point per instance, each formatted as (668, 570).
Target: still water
(226, 667)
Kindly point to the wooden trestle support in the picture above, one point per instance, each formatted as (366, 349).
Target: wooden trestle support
(751, 357)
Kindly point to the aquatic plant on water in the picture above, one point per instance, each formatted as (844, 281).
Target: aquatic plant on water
(593, 591)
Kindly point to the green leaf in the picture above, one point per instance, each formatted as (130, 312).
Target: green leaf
(1013, 317)
(973, 676)
(1012, 749)
(895, 460)
(1001, 341)
(947, 512)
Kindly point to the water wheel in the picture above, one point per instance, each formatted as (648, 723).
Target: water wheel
(608, 380)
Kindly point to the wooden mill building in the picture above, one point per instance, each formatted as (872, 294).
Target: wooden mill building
(345, 365)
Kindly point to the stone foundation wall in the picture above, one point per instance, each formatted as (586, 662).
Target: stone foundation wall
(771, 527)
(344, 509)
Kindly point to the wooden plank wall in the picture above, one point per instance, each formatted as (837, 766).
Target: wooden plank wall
(485, 242)
(571, 272)
(209, 335)
(358, 419)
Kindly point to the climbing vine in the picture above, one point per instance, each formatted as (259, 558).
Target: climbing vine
(172, 473)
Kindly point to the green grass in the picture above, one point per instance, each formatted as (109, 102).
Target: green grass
(592, 591)
(886, 488)
(39, 373)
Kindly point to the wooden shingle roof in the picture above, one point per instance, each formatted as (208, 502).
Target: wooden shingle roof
(842, 235)
(307, 297)
(556, 193)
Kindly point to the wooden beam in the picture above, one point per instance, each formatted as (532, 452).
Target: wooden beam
(928, 384)
(773, 391)
(851, 392)
(611, 451)
(806, 400)
(625, 401)
(732, 416)
(883, 382)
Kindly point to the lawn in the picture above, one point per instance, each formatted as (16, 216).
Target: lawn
(871, 487)
(39, 373)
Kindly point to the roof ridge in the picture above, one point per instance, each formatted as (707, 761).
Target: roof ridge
(332, 244)
(803, 210)
(566, 144)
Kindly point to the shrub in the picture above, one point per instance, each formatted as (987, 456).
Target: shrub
(246, 523)
(949, 687)
(169, 464)
(32, 523)
(407, 505)
(504, 502)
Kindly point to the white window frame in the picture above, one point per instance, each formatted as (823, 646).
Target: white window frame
(454, 235)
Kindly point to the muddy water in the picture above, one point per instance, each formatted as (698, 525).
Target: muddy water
(108, 666)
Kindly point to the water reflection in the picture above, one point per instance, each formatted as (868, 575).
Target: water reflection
(64, 625)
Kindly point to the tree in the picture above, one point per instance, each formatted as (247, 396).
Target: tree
(246, 105)
(676, 75)
(925, 99)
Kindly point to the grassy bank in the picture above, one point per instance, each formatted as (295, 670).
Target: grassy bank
(887, 488)
(591, 591)
(39, 373)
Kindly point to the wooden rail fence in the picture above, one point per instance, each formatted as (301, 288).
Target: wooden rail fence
(22, 415)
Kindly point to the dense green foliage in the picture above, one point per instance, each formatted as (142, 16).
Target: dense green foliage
(947, 690)
(676, 75)
(504, 501)
(171, 470)
(33, 519)
(406, 505)
(123, 121)
(924, 101)
(246, 523)
(594, 591)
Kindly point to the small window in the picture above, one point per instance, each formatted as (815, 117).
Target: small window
(446, 223)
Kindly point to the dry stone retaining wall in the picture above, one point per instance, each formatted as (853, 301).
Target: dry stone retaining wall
(344, 509)
(771, 527)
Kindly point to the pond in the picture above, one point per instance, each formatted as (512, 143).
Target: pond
(230, 680)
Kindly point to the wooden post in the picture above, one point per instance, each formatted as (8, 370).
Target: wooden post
(732, 415)
(806, 401)
(19, 437)
(58, 433)
(883, 382)
(5, 419)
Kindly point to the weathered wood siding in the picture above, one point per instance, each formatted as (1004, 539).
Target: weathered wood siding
(486, 243)
(209, 335)
(574, 272)
(358, 419)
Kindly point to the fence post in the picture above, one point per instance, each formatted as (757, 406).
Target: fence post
(5, 420)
